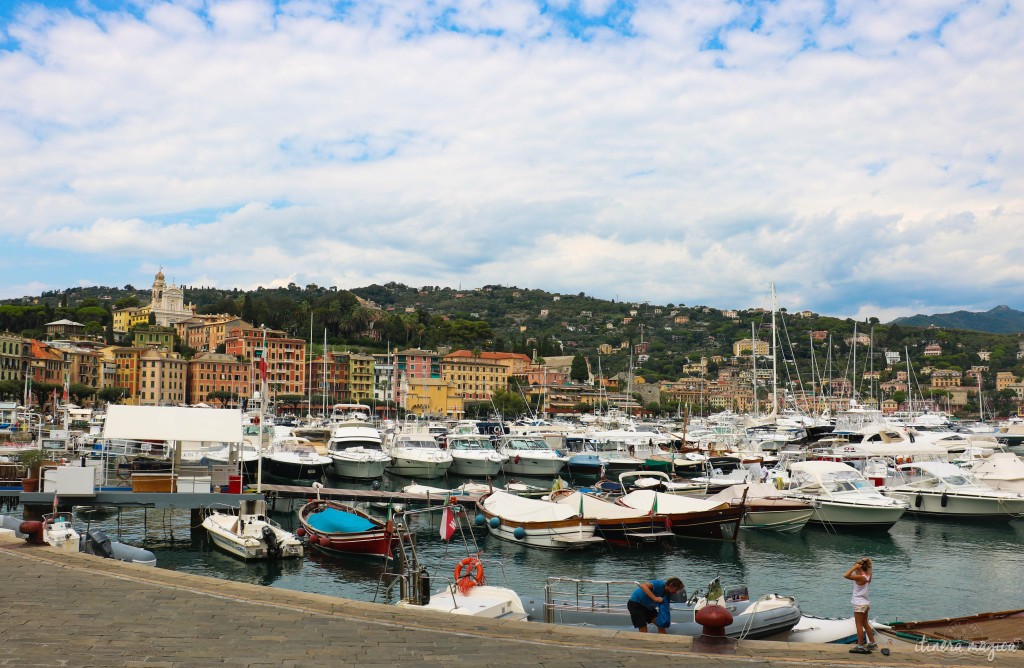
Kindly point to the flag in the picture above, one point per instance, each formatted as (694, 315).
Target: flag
(261, 366)
(66, 388)
(448, 523)
(654, 508)
(581, 504)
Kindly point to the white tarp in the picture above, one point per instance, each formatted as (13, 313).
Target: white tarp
(173, 423)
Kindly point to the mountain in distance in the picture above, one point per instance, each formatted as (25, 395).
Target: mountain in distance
(1000, 320)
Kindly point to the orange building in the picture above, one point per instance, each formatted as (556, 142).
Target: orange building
(216, 372)
(285, 357)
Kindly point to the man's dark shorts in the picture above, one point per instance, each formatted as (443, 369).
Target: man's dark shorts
(640, 615)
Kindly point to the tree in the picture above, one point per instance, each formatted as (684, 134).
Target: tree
(220, 396)
(113, 395)
(80, 392)
(579, 371)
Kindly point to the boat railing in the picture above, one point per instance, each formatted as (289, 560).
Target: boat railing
(583, 595)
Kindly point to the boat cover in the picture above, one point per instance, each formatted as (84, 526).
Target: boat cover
(599, 509)
(669, 504)
(522, 509)
(755, 490)
(332, 520)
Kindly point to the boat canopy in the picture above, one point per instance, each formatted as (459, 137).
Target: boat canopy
(172, 423)
(599, 509)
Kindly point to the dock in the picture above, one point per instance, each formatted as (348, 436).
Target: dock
(76, 610)
(366, 495)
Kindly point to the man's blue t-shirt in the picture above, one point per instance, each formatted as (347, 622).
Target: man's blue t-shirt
(641, 597)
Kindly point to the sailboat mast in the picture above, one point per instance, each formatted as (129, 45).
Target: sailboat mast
(753, 358)
(775, 373)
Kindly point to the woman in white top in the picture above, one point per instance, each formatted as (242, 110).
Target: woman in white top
(861, 576)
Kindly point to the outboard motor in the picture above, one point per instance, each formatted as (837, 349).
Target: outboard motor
(96, 542)
(273, 548)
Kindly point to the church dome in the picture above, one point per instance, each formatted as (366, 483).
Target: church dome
(159, 275)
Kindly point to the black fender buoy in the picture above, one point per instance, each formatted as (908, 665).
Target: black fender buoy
(945, 499)
(918, 501)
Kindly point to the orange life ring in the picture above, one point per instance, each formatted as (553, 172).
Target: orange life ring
(464, 574)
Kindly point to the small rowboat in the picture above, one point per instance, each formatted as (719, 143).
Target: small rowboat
(334, 527)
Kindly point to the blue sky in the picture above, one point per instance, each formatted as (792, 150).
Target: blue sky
(863, 156)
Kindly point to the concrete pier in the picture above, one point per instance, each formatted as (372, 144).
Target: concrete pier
(63, 609)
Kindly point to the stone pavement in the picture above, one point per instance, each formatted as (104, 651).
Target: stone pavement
(76, 610)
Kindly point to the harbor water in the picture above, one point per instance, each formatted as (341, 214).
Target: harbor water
(924, 569)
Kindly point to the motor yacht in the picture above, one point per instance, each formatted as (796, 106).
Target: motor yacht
(842, 497)
(939, 489)
(530, 455)
(473, 455)
(418, 456)
(356, 450)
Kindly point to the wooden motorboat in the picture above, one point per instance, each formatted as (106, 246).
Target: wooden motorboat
(686, 516)
(991, 629)
(767, 508)
(334, 527)
(615, 523)
(535, 522)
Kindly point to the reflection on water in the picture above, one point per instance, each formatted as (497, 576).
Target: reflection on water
(924, 569)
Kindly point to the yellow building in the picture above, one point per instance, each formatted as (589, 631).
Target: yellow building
(430, 397)
(744, 346)
(360, 377)
(126, 318)
(474, 377)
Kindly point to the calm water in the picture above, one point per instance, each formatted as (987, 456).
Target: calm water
(924, 569)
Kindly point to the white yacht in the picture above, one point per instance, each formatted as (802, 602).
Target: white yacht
(842, 497)
(356, 450)
(418, 456)
(474, 455)
(530, 455)
(939, 489)
(295, 458)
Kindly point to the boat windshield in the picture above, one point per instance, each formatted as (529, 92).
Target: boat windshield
(527, 444)
(845, 481)
(470, 444)
(425, 443)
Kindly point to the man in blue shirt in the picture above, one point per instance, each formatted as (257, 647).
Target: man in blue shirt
(649, 596)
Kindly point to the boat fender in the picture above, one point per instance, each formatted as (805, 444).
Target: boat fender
(519, 533)
(945, 499)
(315, 539)
(424, 586)
(495, 522)
(918, 500)
(273, 547)
(480, 519)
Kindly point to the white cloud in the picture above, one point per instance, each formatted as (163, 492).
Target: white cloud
(863, 157)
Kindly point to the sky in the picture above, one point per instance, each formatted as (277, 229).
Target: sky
(863, 156)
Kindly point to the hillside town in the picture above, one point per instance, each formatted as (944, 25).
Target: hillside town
(226, 358)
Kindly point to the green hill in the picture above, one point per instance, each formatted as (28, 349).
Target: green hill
(1000, 320)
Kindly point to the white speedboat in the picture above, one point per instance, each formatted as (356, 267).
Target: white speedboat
(767, 508)
(535, 522)
(295, 458)
(530, 455)
(246, 455)
(418, 456)
(250, 534)
(356, 451)
(842, 497)
(939, 489)
(474, 455)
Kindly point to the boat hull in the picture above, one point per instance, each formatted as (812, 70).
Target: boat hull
(475, 467)
(954, 506)
(357, 469)
(533, 466)
(847, 516)
(418, 468)
(777, 520)
(294, 470)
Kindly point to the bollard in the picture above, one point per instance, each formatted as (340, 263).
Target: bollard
(713, 618)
